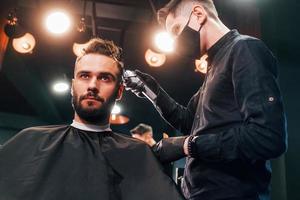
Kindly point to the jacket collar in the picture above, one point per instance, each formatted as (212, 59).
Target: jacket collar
(212, 51)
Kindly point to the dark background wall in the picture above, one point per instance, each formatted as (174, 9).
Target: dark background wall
(281, 31)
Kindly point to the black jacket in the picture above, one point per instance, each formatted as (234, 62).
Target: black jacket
(237, 120)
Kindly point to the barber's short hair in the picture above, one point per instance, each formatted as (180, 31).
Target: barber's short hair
(141, 129)
(173, 4)
(104, 47)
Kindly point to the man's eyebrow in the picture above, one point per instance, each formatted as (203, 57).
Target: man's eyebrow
(83, 72)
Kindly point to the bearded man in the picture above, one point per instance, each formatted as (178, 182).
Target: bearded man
(84, 160)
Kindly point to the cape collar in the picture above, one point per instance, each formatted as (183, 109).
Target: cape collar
(91, 127)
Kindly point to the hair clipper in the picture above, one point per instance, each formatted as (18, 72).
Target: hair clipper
(131, 77)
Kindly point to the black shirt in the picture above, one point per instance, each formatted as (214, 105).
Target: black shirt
(237, 120)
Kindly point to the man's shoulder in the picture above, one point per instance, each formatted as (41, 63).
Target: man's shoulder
(44, 129)
(246, 41)
(36, 133)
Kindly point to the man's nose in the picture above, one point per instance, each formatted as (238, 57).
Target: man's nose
(93, 84)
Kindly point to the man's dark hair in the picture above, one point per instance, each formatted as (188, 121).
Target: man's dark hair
(141, 129)
(104, 47)
(173, 4)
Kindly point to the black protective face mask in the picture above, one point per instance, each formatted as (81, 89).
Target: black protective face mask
(188, 43)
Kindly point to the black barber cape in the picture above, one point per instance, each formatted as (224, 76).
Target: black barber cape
(66, 163)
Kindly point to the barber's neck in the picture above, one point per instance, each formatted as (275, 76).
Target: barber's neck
(101, 122)
(213, 31)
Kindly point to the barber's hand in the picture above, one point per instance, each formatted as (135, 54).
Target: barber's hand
(138, 89)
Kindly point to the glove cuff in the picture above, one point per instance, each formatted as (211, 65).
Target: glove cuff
(191, 146)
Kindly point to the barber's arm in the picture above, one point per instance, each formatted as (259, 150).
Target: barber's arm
(180, 117)
(169, 149)
(263, 133)
(176, 115)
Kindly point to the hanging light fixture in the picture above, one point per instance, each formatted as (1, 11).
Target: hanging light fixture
(62, 85)
(201, 65)
(82, 39)
(115, 111)
(161, 43)
(116, 117)
(22, 42)
(155, 59)
(78, 49)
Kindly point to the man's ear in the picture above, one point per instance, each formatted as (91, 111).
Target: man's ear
(120, 92)
(72, 85)
(200, 12)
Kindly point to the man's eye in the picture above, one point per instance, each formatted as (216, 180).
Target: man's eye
(105, 78)
(84, 76)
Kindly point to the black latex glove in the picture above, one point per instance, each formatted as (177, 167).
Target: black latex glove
(138, 88)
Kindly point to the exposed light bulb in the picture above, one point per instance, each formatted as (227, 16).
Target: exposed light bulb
(164, 42)
(58, 22)
(61, 87)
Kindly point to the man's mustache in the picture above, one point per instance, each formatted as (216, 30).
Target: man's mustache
(91, 95)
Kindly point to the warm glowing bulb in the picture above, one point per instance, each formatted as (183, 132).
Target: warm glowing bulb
(58, 22)
(60, 87)
(26, 45)
(164, 42)
(155, 59)
(201, 65)
(113, 116)
(116, 110)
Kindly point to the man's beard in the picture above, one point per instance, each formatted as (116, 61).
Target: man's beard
(93, 115)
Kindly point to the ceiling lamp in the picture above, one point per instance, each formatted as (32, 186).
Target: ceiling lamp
(201, 65)
(116, 118)
(81, 39)
(155, 59)
(24, 44)
(60, 87)
(58, 22)
(78, 49)
(83, 36)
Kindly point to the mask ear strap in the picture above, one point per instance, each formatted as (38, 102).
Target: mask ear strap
(187, 24)
(201, 25)
(200, 28)
(190, 20)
